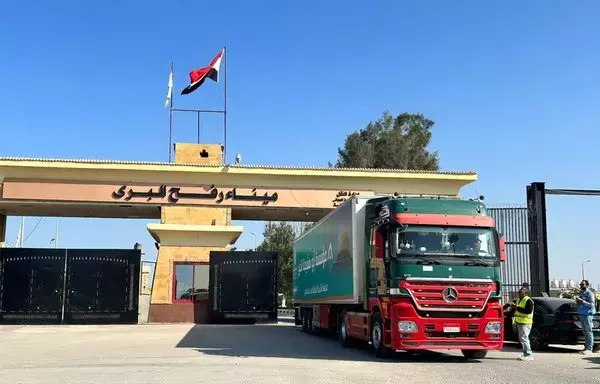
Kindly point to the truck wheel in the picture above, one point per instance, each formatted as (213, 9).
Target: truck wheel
(343, 331)
(474, 354)
(377, 336)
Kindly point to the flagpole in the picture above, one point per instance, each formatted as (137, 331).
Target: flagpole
(225, 110)
(171, 115)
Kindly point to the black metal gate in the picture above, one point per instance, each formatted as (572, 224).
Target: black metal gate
(526, 237)
(72, 286)
(243, 285)
(512, 222)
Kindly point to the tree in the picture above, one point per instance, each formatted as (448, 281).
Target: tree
(397, 143)
(572, 293)
(279, 237)
(389, 142)
(301, 227)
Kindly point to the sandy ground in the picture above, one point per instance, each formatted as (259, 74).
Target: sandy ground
(252, 354)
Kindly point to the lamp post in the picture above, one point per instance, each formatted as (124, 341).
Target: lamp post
(253, 234)
(582, 270)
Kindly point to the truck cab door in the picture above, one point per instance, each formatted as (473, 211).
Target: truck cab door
(378, 282)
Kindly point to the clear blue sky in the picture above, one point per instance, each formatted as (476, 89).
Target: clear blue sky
(514, 90)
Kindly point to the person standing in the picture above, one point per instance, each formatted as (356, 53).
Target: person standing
(523, 316)
(586, 310)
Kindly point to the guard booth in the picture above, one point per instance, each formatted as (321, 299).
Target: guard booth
(69, 286)
(243, 287)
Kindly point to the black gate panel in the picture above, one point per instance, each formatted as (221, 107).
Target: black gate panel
(243, 285)
(103, 286)
(512, 222)
(75, 286)
(262, 294)
(232, 292)
(31, 285)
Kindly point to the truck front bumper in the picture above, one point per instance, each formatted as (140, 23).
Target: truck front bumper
(410, 331)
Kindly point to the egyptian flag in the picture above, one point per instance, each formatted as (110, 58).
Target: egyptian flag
(197, 76)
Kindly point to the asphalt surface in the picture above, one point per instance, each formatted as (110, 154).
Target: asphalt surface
(253, 354)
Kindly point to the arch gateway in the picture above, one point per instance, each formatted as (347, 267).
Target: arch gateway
(196, 197)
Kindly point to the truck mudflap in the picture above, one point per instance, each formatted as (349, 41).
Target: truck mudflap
(478, 331)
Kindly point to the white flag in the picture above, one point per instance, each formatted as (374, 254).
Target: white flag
(170, 87)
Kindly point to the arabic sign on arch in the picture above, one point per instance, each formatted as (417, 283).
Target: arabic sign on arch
(323, 265)
(175, 194)
(163, 194)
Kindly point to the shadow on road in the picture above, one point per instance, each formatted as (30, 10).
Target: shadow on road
(289, 342)
(593, 360)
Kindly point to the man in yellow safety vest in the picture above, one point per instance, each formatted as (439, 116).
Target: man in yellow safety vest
(523, 316)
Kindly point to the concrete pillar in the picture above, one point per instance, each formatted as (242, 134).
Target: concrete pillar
(2, 230)
(186, 234)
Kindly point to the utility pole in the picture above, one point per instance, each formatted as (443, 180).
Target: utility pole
(583, 270)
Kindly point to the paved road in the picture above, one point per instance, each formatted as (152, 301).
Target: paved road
(251, 354)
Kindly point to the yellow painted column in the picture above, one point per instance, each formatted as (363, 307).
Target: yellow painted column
(186, 234)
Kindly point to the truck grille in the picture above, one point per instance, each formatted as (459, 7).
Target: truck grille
(437, 335)
(449, 295)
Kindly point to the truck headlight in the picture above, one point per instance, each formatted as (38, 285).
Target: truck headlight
(493, 327)
(407, 327)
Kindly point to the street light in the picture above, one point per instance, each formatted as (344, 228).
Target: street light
(253, 234)
(582, 270)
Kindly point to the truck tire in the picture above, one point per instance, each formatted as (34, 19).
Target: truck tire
(377, 331)
(474, 353)
(343, 331)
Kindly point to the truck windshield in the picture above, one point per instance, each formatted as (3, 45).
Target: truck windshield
(446, 241)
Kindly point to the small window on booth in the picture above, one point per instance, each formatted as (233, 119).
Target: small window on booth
(190, 282)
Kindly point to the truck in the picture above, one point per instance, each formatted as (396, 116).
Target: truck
(403, 273)
(243, 286)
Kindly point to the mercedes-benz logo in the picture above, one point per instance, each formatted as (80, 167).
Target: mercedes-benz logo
(450, 295)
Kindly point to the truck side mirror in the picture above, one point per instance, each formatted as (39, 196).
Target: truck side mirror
(502, 248)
